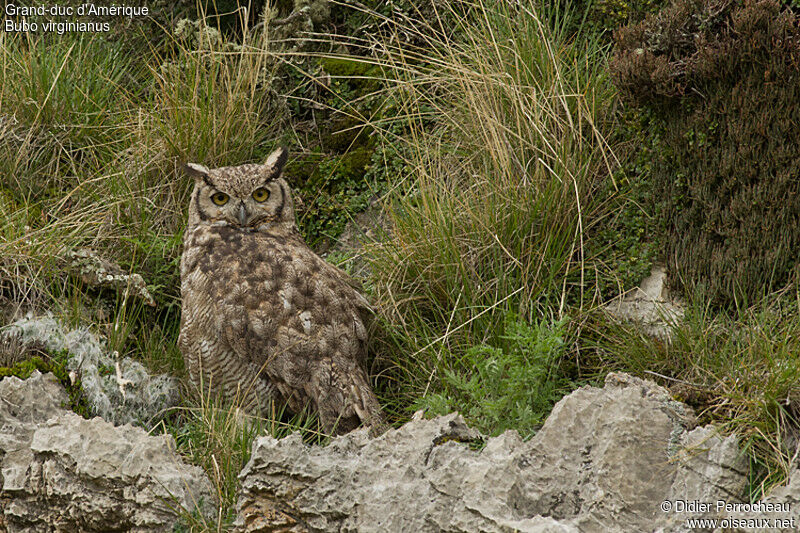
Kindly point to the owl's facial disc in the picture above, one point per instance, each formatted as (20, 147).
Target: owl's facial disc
(250, 197)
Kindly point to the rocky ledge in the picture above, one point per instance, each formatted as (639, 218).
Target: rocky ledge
(61, 472)
(604, 461)
(607, 459)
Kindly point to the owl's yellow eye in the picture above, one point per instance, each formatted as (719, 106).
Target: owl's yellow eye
(261, 194)
(219, 198)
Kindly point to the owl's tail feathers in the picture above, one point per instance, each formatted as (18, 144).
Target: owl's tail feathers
(369, 411)
(349, 402)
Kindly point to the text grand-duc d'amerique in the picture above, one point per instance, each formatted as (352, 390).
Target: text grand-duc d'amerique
(87, 10)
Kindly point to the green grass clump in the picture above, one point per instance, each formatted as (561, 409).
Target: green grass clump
(512, 386)
(93, 136)
(505, 159)
(219, 438)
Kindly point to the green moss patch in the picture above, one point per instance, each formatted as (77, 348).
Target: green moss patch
(57, 366)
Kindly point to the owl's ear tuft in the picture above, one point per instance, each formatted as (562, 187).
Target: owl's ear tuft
(195, 171)
(276, 160)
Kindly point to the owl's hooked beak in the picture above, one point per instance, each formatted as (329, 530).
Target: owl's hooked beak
(242, 215)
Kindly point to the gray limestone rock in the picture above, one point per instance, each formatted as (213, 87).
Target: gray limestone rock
(650, 305)
(60, 472)
(603, 461)
(778, 512)
(710, 468)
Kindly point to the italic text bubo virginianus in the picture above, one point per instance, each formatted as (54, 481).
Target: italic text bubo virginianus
(264, 318)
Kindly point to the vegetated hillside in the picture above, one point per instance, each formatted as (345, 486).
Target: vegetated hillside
(517, 189)
(724, 85)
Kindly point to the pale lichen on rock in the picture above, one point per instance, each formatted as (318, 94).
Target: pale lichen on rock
(98, 272)
(118, 389)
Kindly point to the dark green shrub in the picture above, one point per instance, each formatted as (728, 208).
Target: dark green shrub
(332, 193)
(724, 81)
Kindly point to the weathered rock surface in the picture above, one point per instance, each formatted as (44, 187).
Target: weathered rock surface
(650, 304)
(60, 472)
(604, 461)
(118, 389)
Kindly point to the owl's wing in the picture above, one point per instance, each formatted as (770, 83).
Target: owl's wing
(360, 301)
(346, 400)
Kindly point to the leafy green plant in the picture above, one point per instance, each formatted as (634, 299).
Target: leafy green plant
(628, 240)
(210, 104)
(511, 386)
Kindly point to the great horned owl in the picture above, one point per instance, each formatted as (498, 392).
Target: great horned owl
(265, 318)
